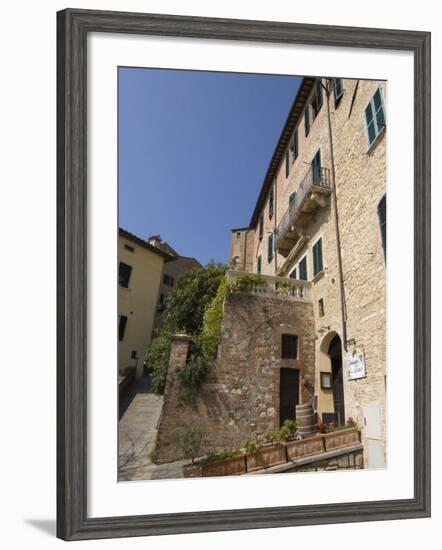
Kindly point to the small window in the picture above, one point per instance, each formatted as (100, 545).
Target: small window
(317, 98)
(129, 248)
(124, 273)
(261, 226)
(122, 321)
(317, 258)
(321, 307)
(270, 248)
(259, 264)
(289, 346)
(271, 199)
(382, 215)
(292, 153)
(303, 269)
(161, 299)
(292, 199)
(133, 354)
(293, 274)
(168, 280)
(307, 120)
(375, 116)
(235, 261)
(338, 90)
(238, 235)
(287, 164)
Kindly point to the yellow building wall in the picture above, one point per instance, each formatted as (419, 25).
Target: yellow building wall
(138, 302)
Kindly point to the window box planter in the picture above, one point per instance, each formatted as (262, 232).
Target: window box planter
(227, 467)
(305, 447)
(341, 438)
(265, 457)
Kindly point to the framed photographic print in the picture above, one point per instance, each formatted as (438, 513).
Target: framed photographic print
(237, 346)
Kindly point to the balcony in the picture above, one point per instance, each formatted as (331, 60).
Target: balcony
(311, 195)
(268, 286)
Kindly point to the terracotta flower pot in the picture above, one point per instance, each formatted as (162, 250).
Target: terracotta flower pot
(266, 457)
(228, 467)
(341, 438)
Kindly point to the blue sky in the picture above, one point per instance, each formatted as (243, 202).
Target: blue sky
(193, 151)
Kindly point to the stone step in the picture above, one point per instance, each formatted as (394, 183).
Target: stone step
(303, 406)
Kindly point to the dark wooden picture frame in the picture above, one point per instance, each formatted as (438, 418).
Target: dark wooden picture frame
(73, 27)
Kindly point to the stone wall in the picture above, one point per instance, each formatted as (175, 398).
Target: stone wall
(239, 399)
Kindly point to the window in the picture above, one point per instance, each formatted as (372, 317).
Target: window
(124, 273)
(129, 248)
(161, 299)
(122, 321)
(261, 226)
(235, 261)
(317, 98)
(293, 274)
(259, 265)
(316, 166)
(321, 307)
(289, 346)
(292, 199)
(303, 269)
(295, 146)
(287, 163)
(382, 215)
(306, 120)
(292, 153)
(271, 198)
(338, 90)
(238, 235)
(168, 280)
(375, 116)
(270, 248)
(317, 258)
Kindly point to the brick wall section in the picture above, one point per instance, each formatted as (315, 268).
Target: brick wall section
(240, 397)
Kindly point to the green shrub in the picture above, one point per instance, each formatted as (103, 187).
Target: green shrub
(246, 283)
(251, 446)
(288, 430)
(191, 375)
(222, 455)
(157, 361)
(189, 441)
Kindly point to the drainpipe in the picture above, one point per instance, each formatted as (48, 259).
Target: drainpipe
(275, 210)
(335, 211)
(245, 249)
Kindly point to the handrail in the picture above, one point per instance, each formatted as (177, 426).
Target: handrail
(267, 285)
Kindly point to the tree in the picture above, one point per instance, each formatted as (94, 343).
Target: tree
(186, 305)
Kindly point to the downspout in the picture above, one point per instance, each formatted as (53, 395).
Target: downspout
(335, 210)
(245, 250)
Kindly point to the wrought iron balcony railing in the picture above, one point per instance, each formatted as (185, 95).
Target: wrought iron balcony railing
(316, 181)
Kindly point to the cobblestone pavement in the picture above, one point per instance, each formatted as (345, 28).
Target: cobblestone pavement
(140, 411)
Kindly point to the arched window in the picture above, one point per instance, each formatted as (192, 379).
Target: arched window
(382, 215)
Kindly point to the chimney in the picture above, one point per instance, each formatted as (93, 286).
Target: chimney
(155, 240)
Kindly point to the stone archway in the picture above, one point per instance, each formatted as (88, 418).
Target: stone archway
(330, 387)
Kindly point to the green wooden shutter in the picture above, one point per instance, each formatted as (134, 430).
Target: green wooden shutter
(270, 248)
(317, 258)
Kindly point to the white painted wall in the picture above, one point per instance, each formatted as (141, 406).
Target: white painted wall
(27, 218)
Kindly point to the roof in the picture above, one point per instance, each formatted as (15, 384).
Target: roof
(144, 244)
(239, 229)
(298, 106)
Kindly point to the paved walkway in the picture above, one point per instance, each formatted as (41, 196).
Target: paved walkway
(140, 411)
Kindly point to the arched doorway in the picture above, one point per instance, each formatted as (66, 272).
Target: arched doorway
(335, 354)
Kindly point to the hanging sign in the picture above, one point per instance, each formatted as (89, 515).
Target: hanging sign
(356, 366)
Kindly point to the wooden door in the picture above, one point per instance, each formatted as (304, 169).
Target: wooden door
(288, 394)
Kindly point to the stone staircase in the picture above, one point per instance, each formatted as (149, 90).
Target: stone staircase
(307, 419)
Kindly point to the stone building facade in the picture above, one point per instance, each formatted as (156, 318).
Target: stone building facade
(320, 217)
(239, 398)
(319, 226)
